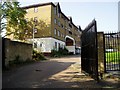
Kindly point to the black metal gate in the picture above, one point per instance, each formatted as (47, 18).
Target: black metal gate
(112, 51)
(3, 53)
(89, 52)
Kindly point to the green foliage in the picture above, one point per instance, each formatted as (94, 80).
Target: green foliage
(60, 52)
(37, 24)
(113, 57)
(16, 23)
(37, 56)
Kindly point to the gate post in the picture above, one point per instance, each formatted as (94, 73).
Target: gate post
(101, 53)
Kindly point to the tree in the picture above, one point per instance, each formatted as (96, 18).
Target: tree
(32, 24)
(15, 22)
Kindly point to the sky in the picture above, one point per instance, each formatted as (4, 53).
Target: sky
(105, 12)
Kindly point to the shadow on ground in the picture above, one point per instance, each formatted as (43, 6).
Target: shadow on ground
(26, 76)
(53, 74)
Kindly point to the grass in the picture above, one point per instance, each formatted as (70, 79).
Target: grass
(113, 57)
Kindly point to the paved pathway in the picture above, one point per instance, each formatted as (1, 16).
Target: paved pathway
(53, 73)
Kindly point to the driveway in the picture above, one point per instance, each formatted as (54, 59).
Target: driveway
(54, 73)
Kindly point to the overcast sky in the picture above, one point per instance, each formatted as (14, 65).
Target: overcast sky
(83, 12)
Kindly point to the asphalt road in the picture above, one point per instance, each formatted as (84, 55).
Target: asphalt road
(37, 75)
(54, 73)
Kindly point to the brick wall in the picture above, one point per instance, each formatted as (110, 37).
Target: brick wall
(101, 56)
(11, 49)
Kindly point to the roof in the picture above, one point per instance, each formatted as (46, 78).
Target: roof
(36, 5)
(49, 3)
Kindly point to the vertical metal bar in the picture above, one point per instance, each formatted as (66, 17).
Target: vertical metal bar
(104, 53)
(96, 52)
(118, 43)
(106, 44)
(116, 53)
(113, 57)
(111, 44)
(108, 67)
(110, 51)
(115, 46)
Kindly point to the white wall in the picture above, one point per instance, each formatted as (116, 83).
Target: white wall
(71, 49)
(58, 41)
(47, 44)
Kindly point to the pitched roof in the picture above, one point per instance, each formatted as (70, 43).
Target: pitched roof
(36, 5)
(49, 3)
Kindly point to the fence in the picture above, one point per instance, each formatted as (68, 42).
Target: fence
(112, 51)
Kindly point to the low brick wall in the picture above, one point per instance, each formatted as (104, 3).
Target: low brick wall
(12, 49)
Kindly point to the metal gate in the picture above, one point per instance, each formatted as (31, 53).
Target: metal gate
(89, 52)
(112, 51)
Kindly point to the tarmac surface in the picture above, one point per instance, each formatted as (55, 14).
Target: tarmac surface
(62, 72)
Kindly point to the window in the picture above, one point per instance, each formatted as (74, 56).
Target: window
(35, 21)
(58, 33)
(70, 25)
(55, 45)
(70, 32)
(41, 44)
(36, 9)
(61, 34)
(59, 45)
(58, 14)
(55, 20)
(26, 31)
(69, 29)
(55, 31)
(35, 45)
(58, 23)
(62, 46)
(35, 30)
(62, 26)
(55, 10)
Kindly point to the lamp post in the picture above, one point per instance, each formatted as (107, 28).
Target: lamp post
(33, 34)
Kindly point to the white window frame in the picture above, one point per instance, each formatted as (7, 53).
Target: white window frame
(55, 31)
(55, 11)
(61, 34)
(55, 21)
(58, 33)
(35, 30)
(58, 23)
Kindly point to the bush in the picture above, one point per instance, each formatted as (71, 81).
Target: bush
(38, 56)
(60, 52)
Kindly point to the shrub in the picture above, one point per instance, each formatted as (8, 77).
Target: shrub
(37, 56)
(60, 52)
(65, 51)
